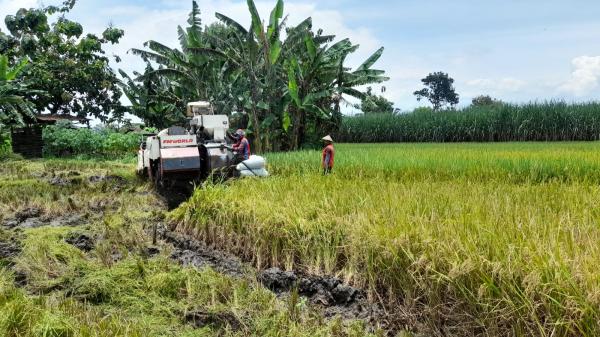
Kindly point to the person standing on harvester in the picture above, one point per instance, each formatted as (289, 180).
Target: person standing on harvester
(328, 155)
(242, 146)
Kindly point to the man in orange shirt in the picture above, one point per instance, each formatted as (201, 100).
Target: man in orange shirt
(328, 155)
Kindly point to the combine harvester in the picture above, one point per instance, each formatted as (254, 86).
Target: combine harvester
(177, 154)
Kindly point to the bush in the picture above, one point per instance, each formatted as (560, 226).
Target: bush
(549, 121)
(60, 140)
(5, 144)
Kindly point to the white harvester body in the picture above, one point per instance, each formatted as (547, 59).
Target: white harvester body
(177, 153)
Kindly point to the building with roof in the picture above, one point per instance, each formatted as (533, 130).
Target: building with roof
(27, 141)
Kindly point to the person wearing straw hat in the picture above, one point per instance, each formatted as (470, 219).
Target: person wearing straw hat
(328, 155)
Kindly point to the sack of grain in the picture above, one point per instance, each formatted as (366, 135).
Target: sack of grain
(252, 163)
(254, 173)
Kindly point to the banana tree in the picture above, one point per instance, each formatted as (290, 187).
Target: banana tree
(189, 68)
(318, 82)
(255, 52)
(286, 85)
(154, 100)
(14, 109)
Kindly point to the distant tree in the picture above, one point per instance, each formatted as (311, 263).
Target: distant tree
(439, 90)
(485, 100)
(422, 110)
(371, 103)
(69, 67)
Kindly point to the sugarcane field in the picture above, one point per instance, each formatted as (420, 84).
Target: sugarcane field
(261, 168)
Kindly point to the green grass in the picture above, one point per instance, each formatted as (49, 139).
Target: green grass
(492, 239)
(5, 144)
(69, 292)
(537, 121)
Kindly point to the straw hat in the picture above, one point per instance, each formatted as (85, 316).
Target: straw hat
(328, 138)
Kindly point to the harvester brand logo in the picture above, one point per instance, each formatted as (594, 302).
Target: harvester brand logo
(178, 141)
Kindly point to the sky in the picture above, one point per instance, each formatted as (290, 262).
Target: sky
(516, 51)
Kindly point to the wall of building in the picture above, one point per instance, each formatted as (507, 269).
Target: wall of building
(28, 141)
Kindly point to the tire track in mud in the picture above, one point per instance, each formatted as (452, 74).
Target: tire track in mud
(190, 252)
(327, 294)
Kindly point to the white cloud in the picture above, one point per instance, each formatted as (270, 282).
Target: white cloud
(144, 22)
(503, 85)
(10, 7)
(585, 75)
(142, 25)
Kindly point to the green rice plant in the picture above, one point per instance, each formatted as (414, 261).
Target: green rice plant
(47, 261)
(54, 325)
(497, 238)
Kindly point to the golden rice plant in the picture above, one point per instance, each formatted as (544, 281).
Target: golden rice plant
(496, 239)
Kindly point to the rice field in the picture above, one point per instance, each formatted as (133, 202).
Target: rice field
(98, 277)
(459, 239)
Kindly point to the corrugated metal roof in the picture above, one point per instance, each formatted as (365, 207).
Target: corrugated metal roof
(56, 117)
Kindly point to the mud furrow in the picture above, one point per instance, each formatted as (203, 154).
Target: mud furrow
(324, 293)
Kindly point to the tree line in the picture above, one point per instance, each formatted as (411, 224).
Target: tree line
(54, 67)
(282, 82)
(289, 80)
(286, 84)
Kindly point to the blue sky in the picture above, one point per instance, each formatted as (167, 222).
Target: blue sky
(513, 50)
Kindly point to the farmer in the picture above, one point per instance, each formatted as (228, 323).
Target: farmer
(328, 154)
(242, 145)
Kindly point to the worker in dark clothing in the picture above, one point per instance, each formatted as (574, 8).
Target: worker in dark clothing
(328, 155)
(242, 145)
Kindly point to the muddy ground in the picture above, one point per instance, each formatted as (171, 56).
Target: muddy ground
(33, 218)
(9, 249)
(327, 294)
